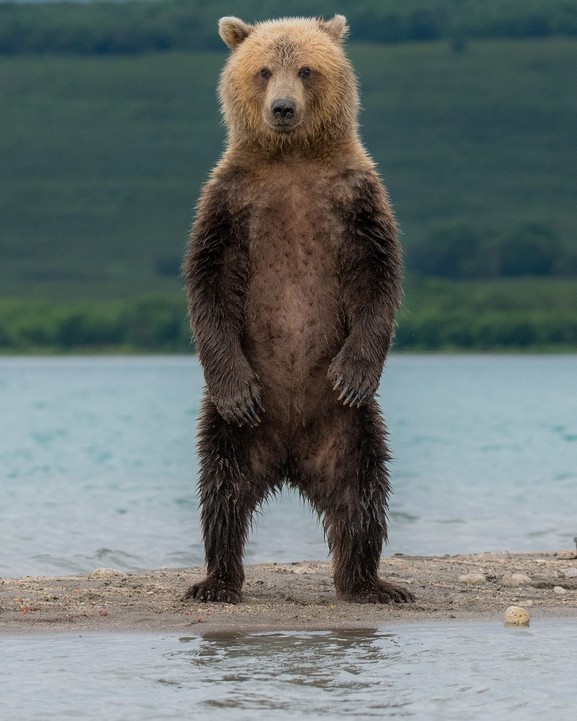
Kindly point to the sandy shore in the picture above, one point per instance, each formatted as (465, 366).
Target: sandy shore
(293, 596)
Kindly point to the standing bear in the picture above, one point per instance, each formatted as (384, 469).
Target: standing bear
(293, 273)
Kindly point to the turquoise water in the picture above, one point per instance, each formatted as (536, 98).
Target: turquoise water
(469, 672)
(98, 468)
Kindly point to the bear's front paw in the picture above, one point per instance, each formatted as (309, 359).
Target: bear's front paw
(378, 591)
(241, 404)
(214, 589)
(354, 380)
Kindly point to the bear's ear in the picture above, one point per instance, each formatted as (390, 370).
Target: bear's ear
(233, 31)
(336, 28)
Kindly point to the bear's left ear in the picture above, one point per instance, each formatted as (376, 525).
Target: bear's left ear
(336, 28)
(233, 31)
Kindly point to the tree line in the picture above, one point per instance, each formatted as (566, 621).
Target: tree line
(437, 315)
(464, 251)
(159, 25)
(152, 324)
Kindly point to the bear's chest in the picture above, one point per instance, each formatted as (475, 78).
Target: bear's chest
(294, 243)
(293, 228)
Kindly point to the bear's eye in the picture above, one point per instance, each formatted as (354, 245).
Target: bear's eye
(265, 73)
(305, 72)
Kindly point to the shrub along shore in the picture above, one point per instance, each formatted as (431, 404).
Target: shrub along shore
(526, 314)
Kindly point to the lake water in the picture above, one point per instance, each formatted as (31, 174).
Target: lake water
(442, 671)
(97, 468)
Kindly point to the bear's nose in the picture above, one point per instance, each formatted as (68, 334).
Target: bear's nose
(283, 109)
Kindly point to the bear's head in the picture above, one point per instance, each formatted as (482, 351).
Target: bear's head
(288, 83)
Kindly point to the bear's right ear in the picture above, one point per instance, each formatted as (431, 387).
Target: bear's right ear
(233, 31)
(336, 28)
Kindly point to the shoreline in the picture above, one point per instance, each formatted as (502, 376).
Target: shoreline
(293, 597)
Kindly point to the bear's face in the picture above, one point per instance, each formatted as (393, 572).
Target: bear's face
(287, 82)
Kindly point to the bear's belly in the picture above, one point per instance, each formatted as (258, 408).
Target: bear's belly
(293, 325)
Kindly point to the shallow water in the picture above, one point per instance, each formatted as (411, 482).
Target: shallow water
(441, 671)
(98, 467)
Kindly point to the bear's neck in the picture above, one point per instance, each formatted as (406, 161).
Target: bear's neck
(295, 149)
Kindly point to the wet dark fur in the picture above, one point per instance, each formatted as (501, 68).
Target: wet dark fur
(293, 274)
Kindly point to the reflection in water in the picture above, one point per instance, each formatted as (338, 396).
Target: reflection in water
(316, 672)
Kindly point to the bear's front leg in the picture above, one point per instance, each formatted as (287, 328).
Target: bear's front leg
(236, 391)
(371, 270)
(216, 269)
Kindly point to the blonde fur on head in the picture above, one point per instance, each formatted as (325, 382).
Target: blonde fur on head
(325, 100)
(234, 31)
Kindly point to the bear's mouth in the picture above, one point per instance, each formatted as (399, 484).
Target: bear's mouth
(284, 127)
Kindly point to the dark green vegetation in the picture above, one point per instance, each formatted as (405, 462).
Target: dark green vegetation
(152, 324)
(102, 157)
(160, 25)
(492, 315)
(438, 315)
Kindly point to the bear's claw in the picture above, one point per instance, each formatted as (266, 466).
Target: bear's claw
(349, 395)
(214, 590)
(379, 591)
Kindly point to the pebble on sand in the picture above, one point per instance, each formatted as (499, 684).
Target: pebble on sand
(472, 579)
(105, 573)
(517, 616)
(559, 590)
(516, 579)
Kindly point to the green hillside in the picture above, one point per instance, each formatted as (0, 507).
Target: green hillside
(102, 27)
(102, 158)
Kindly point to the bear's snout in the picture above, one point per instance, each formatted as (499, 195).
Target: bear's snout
(283, 114)
(283, 109)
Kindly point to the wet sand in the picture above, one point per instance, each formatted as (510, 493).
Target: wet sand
(293, 596)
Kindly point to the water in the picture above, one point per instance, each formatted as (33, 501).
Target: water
(465, 672)
(98, 468)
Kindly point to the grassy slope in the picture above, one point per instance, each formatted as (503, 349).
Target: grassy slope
(102, 158)
(488, 137)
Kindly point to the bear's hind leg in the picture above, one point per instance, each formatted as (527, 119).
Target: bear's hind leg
(229, 493)
(349, 488)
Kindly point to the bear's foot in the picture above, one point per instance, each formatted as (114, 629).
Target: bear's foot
(214, 589)
(378, 591)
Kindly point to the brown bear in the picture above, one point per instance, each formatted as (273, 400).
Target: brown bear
(293, 273)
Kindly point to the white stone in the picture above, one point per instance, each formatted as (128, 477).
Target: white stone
(516, 579)
(517, 616)
(560, 590)
(472, 579)
(570, 573)
(105, 573)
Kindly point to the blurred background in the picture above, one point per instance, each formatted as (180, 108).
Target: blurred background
(109, 125)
